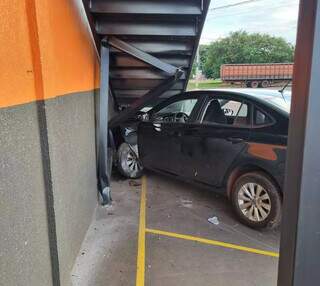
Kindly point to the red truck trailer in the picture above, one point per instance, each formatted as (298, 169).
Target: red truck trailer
(256, 75)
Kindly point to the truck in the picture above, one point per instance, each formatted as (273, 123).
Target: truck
(256, 75)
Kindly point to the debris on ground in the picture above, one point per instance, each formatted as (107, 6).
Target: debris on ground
(214, 220)
(133, 183)
(186, 203)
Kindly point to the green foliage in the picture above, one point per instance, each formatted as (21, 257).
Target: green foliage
(203, 55)
(206, 84)
(193, 70)
(241, 47)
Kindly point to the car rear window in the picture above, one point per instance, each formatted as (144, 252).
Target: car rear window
(261, 118)
(227, 112)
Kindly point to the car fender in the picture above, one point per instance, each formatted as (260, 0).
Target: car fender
(246, 163)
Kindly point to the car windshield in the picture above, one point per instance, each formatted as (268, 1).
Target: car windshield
(146, 108)
(185, 106)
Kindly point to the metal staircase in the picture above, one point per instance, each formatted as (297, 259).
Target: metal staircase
(147, 48)
(166, 30)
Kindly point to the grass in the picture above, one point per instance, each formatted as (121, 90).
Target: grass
(205, 84)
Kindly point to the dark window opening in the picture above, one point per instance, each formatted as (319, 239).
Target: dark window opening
(227, 112)
(261, 118)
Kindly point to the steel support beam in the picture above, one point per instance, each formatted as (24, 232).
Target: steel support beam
(115, 100)
(300, 239)
(102, 125)
(146, 99)
(141, 55)
(175, 74)
(86, 6)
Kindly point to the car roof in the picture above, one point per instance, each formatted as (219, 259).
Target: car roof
(272, 98)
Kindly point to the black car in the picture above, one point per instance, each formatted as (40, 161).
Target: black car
(232, 141)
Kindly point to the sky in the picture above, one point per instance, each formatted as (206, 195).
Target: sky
(274, 17)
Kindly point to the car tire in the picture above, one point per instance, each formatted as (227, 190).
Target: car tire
(254, 84)
(128, 162)
(256, 200)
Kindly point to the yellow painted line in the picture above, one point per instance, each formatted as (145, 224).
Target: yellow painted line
(212, 242)
(142, 236)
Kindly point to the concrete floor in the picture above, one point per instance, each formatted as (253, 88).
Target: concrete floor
(109, 252)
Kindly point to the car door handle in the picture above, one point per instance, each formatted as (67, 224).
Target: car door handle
(234, 140)
(157, 127)
(175, 133)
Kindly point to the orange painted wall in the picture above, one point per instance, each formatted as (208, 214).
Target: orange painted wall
(67, 56)
(16, 70)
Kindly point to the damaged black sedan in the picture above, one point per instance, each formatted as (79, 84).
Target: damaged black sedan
(231, 141)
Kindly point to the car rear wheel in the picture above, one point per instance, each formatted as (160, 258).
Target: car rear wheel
(256, 200)
(129, 164)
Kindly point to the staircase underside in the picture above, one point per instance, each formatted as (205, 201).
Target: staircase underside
(167, 30)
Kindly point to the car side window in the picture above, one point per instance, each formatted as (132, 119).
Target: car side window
(178, 111)
(227, 112)
(261, 118)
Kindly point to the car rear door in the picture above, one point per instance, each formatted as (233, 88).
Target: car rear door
(211, 145)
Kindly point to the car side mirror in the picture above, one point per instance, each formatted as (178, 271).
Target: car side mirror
(143, 116)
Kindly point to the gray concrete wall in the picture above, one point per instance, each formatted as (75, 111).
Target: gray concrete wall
(24, 239)
(24, 245)
(71, 136)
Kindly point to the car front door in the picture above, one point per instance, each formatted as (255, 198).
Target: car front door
(156, 137)
(211, 145)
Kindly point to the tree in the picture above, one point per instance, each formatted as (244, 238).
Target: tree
(241, 47)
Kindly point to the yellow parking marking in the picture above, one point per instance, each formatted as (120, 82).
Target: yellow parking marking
(140, 276)
(142, 236)
(212, 242)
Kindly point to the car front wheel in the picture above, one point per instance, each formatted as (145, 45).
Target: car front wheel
(256, 200)
(129, 164)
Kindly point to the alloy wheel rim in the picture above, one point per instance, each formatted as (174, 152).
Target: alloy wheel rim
(254, 202)
(131, 164)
